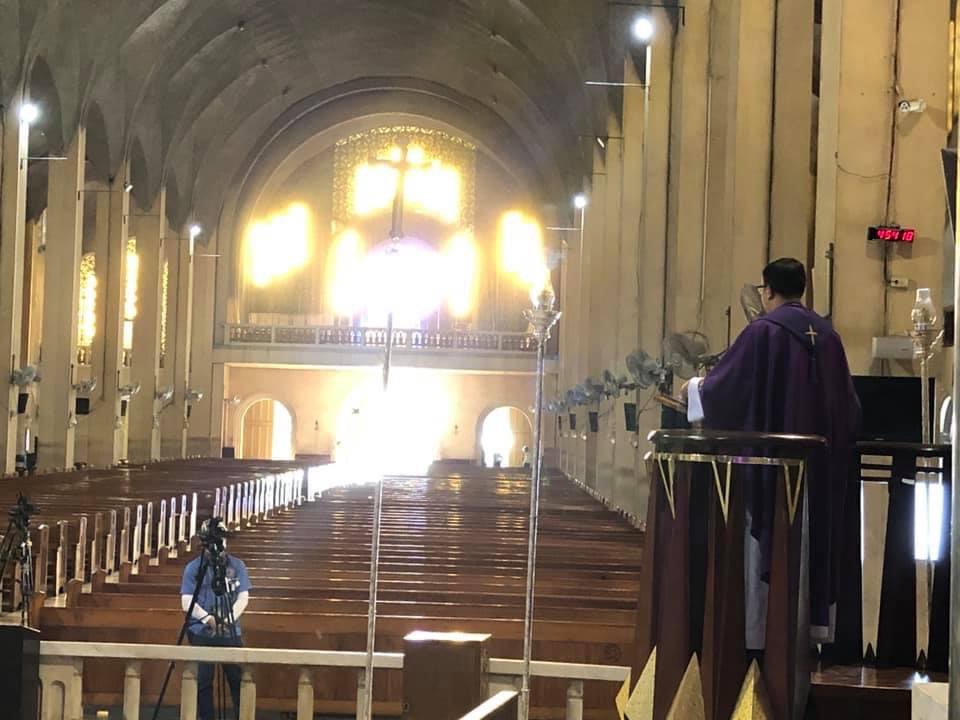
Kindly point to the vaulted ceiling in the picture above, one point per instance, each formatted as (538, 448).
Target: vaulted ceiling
(194, 91)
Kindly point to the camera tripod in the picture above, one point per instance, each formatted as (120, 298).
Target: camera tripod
(18, 547)
(213, 558)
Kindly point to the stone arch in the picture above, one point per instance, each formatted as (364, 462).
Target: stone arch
(46, 134)
(478, 433)
(140, 176)
(99, 163)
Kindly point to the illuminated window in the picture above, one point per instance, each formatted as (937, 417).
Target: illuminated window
(87, 320)
(440, 178)
(278, 245)
(461, 273)
(431, 187)
(130, 293)
(164, 294)
(521, 250)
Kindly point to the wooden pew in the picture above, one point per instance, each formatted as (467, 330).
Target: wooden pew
(453, 557)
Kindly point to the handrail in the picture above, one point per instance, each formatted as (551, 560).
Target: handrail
(879, 447)
(236, 656)
(738, 442)
(311, 658)
(375, 338)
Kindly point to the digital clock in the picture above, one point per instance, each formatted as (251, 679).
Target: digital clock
(891, 233)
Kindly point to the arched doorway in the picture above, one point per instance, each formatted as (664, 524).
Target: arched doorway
(504, 432)
(267, 431)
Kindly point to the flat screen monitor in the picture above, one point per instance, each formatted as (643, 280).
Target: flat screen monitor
(892, 408)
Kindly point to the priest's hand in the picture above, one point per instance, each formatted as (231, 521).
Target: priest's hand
(685, 391)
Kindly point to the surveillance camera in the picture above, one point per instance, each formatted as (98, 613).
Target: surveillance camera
(912, 106)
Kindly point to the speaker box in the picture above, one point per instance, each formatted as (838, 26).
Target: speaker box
(573, 421)
(22, 399)
(83, 406)
(630, 417)
(123, 408)
(229, 453)
(560, 423)
(594, 421)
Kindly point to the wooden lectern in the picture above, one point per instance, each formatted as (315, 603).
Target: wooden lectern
(444, 674)
(20, 672)
(692, 606)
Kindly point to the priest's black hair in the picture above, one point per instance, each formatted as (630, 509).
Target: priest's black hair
(786, 277)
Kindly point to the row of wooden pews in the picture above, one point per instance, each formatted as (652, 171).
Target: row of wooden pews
(94, 523)
(453, 557)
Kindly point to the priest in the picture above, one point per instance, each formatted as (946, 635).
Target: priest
(787, 373)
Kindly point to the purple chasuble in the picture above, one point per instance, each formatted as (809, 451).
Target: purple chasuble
(787, 373)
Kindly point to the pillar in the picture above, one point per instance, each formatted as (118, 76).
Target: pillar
(592, 300)
(608, 319)
(176, 418)
(106, 433)
(61, 300)
(207, 414)
(143, 413)
(791, 179)
(14, 140)
(738, 196)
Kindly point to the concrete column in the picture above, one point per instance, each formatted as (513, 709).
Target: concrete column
(14, 139)
(607, 320)
(175, 419)
(60, 307)
(687, 233)
(593, 303)
(570, 333)
(143, 412)
(106, 433)
(205, 415)
(626, 485)
(791, 180)
(738, 198)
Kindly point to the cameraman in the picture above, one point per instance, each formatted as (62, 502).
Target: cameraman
(205, 628)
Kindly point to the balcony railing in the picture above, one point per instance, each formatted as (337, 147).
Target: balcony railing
(360, 337)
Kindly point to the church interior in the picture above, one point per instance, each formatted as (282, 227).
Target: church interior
(406, 303)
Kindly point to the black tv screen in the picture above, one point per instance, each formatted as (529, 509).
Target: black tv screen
(892, 408)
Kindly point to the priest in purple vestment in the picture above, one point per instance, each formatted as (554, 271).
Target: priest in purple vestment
(787, 373)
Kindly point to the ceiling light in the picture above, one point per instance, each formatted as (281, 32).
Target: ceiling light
(580, 201)
(602, 143)
(195, 231)
(127, 187)
(29, 113)
(643, 29)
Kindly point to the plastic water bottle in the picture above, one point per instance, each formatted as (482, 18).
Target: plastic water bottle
(924, 314)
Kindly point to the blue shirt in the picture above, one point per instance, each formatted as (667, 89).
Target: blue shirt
(238, 581)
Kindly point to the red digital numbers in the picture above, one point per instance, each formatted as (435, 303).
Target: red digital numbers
(892, 234)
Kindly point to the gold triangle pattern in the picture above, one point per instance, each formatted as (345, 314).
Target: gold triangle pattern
(723, 488)
(667, 479)
(640, 704)
(752, 703)
(793, 490)
(622, 696)
(688, 703)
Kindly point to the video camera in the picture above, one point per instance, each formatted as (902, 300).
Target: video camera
(213, 534)
(20, 513)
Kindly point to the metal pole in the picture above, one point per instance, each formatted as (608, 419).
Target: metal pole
(372, 608)
(542, 318)
(954, 690)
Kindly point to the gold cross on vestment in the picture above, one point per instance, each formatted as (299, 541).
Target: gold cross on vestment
(812, 334)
